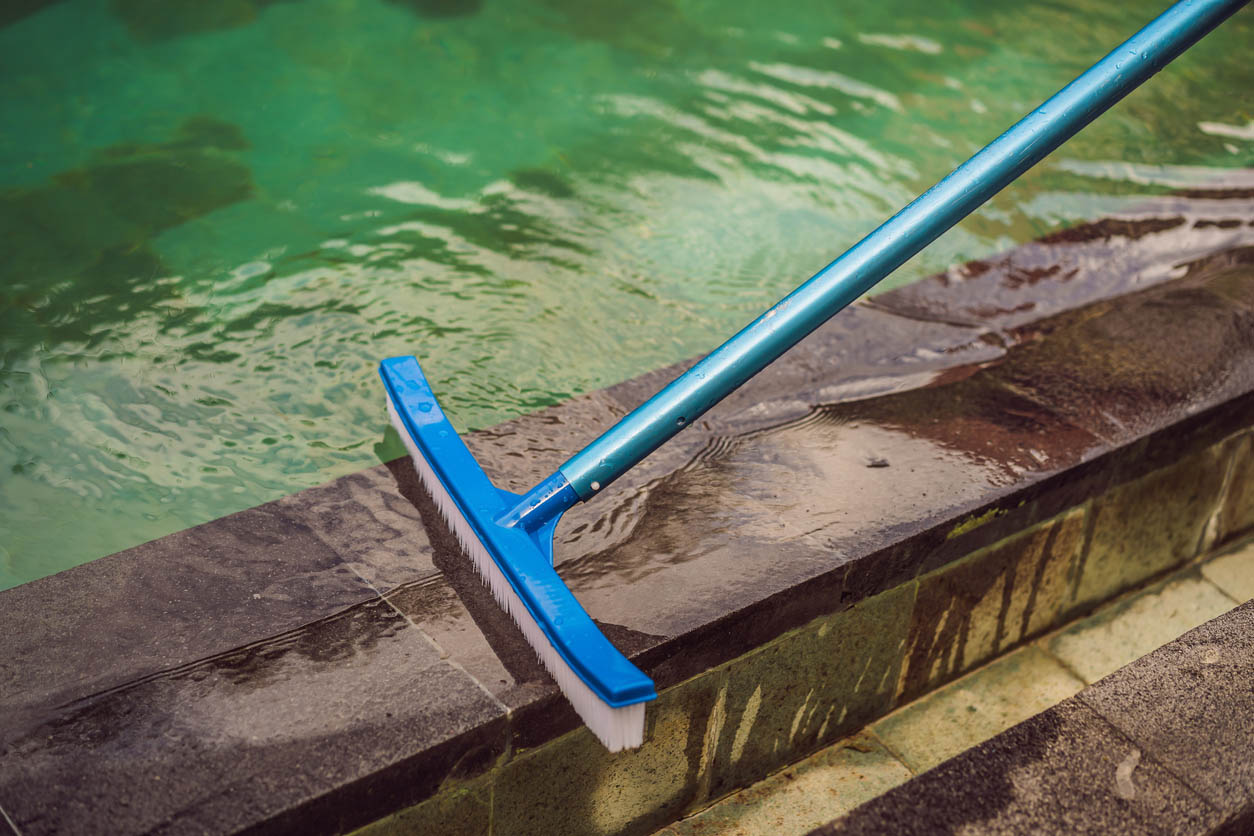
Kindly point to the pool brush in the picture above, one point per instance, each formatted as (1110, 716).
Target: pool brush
(510, 537)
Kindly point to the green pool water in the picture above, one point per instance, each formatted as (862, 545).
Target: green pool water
(218, 216)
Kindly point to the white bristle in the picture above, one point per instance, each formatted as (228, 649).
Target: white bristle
(617, 728)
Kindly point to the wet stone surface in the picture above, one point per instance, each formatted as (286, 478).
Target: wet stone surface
(325, 660)
(227, 730)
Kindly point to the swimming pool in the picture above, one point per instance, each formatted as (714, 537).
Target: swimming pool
(220, 216)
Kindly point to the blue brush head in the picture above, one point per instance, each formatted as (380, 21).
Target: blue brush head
(606, 689)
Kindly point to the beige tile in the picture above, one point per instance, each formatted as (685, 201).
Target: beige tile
(1233, 573)
(803, 796)
(977, 607)
(978, 706)
(1150, 524)
(1125, 631)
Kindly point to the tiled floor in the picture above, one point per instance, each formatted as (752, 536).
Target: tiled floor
(978, 706)
(1126, 630)
(1233, 572)
(972, 709)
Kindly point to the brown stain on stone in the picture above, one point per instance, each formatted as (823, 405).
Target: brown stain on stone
(989, 602)
(1111, 228)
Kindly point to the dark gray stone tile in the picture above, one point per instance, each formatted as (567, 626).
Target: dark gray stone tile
(1191, 704)
(314, 731)
(1064, 771)
(166, 603)
(368, 521)
(1117, 366)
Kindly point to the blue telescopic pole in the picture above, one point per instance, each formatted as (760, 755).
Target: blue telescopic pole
(878, 254)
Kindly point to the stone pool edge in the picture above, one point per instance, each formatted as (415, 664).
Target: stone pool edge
(277, 579)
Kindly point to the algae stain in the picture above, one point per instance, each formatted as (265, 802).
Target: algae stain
(973, 522)
(746, 724)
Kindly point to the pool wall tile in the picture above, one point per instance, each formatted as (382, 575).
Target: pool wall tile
(459, 809)
(982, 605)
(1149, 525)
(572, 786)
(806, 794)
(810, 687)
(1236, 517)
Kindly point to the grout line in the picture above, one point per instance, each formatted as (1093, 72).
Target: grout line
(1210, 531)
(445, 656)
(1062, 662)
(1220, 589)
(1165, 764)
(10, 822)
(870, 731)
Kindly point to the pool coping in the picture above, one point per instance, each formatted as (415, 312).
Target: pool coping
(341, 617)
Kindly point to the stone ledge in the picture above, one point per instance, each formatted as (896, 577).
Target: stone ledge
(322, 661)
(1160, 746)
